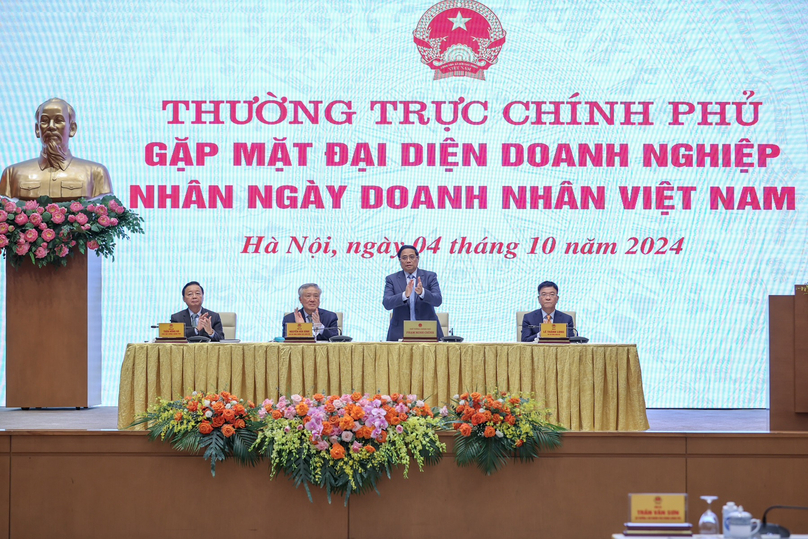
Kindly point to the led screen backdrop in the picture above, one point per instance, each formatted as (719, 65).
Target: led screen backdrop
(649, 157)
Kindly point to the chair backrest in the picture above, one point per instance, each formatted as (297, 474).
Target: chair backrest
(520, 315)
(339, 319)
(228, 325)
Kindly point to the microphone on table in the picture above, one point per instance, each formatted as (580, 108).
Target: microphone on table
(775, 528)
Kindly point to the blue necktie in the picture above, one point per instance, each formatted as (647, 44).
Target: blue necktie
(194, 321)
(412, 297)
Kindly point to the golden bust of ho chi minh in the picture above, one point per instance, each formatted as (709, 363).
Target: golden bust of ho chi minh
(55, 173)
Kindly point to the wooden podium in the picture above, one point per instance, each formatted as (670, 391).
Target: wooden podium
(788, 361)
(53, 334)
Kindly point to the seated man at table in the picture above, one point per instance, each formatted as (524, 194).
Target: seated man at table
(199, 322)
(548, 297)
(411, 293)
(324, 323)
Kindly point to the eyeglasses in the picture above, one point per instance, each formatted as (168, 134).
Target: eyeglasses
(548, 295)
(408, 257)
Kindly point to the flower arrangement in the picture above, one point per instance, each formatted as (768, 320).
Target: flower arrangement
(490, 429)
(219, 423)
(345, 444)
(47, 232)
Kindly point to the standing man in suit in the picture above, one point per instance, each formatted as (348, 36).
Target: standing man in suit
(323, 323)
(198, 321)
(411, 293)
(548, 297)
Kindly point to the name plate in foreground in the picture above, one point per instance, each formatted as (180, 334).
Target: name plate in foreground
(171, 331)
(299, 332)
(658, 508)
(420, 331)
(553, 333)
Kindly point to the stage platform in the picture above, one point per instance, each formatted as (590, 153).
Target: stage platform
(69, 473)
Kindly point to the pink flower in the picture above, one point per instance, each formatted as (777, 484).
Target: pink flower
(3, 241)
(40, 210)
(347, 436)
(113, 222)
(21, 219)
(3, 215)
(58, 218)
(356, 447)
(10, 207)
(3, 228)
(41, 252)
(85, 227)
(81, 219)
(71, 218)
(48, 234)
(120, 210)
(52, 208)
(76, 207)
(62, 250)
(42, 226)
(101, 210)
(22, 248)
(92, 244)
(35, 219)
(31, 205)
(90, 207)
(103, 220)
(31, 235)
(73, 243)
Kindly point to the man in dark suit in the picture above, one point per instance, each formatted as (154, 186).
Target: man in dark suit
(548, 297)
(198, 321)
(324, 323)
(411, 293)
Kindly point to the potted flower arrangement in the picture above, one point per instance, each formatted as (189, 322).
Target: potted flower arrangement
(345, 444)
(47, 232)
(220, 423)
(492, 428)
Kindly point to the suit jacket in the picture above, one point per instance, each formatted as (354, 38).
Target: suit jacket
(394, 286)
(327, 318)
(184, 317)
(536, 318)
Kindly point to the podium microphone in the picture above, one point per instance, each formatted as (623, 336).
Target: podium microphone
(775, 528)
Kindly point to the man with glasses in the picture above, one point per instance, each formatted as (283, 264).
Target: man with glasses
(531, 323)
(324, 323)
(198, 322)
(411, 293)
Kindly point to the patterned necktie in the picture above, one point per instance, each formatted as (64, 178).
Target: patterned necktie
(411, 278)
(548, 320)
(194, 321)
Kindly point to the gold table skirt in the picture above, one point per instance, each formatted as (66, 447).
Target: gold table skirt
(593, 387)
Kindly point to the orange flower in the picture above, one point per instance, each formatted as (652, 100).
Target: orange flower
(356, 412)
(364, 432)
(377, 397)
(465, 429)
(330, 408)
(510, 420)
(464, 397)
(251, 404)
(461, 408)
(228, 414)
(476, 396)
(302, 409)
(478, 419)
(212, 397)
(513, 401)
(178, 416)
(427, 411)
(519, 443)
(497, 419)
(319, 396)
(240, 424)
(337, 451)
(393, 420)
(394, 397)
(356, 396)
(456, 426)
(327, 429)
(490, 432)
(226, 396)
(276, 414)
(346, 423)
(239, 409)
(218, 421)
(193, 406)
(217, 406)
(228, 431)
(370, 449)
(383, 437)
(205, 428)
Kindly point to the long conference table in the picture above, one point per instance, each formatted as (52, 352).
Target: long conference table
(588, 387)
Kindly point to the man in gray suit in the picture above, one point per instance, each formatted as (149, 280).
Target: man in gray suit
(411, 293)
(198, 321)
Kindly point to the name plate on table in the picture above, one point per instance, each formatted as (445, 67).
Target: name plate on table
(556, 333)
(171, 333)
(420, 331)
(299, 332)
(658, 508)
